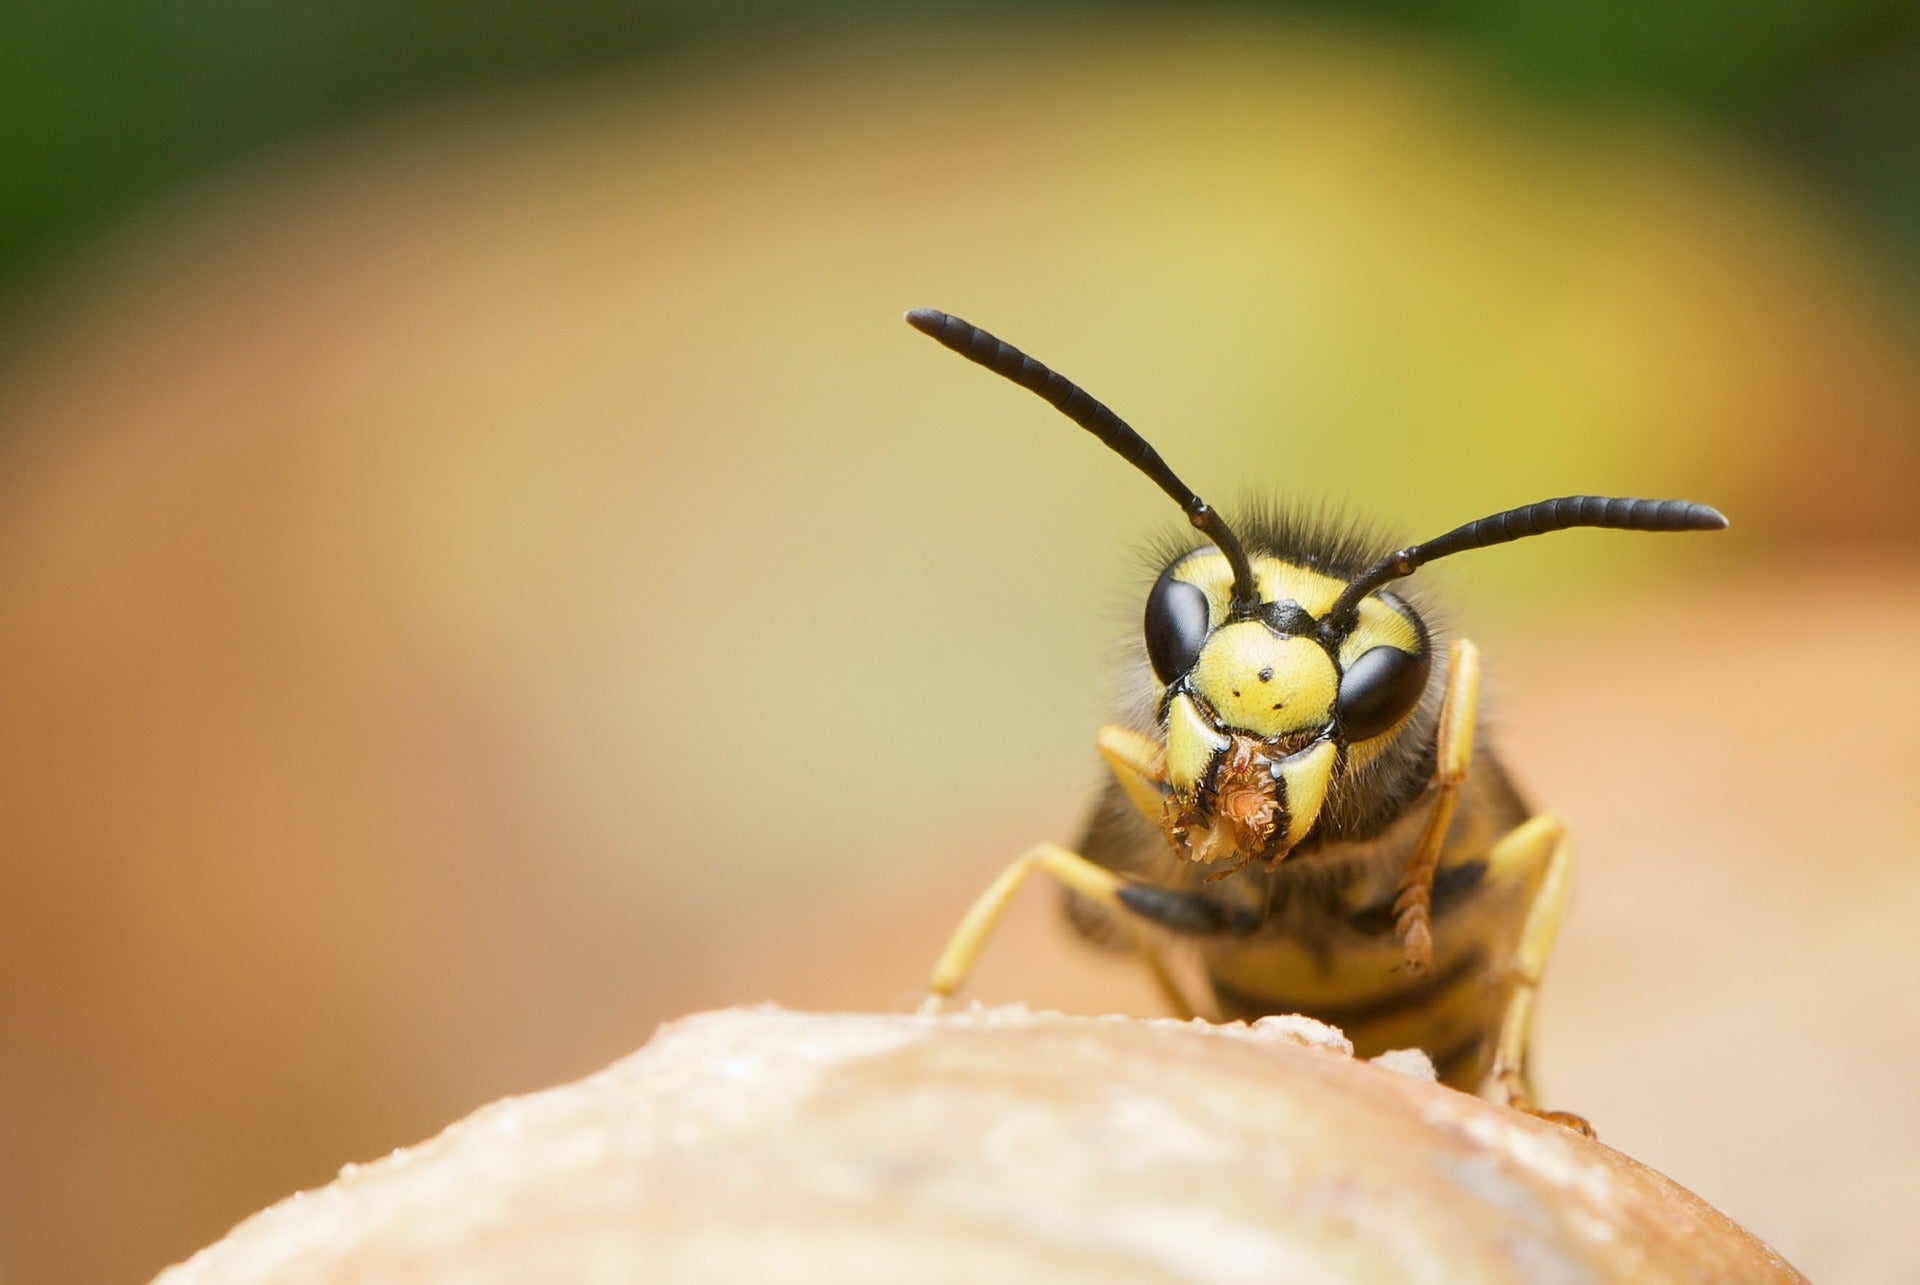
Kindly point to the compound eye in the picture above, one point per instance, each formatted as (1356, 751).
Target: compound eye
(1381, 688)
(1176, 626)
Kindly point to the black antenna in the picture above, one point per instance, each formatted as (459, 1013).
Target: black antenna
(1518, 524)
(1061, 393)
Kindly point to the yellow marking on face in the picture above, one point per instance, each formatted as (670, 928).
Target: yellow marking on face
(1361, 754)
(1377, 624)
(1208, 571)
(1304, 778)
(1263, 684)
(1191, 745)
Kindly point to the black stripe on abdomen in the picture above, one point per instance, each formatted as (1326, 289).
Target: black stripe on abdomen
(1462, 1065)
(1240, 1005)
(1451, 888)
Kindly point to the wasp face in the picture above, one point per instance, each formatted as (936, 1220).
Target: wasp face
(1262, 714)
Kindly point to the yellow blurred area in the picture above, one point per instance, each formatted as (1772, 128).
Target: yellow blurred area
(479, 588)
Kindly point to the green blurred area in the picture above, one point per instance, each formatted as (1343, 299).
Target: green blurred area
(104, 103)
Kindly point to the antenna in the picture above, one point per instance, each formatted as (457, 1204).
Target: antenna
(1061, 393)
(1518, 524)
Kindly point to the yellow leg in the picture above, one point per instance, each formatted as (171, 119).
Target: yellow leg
(970, 938)
(1537, 849)
(1413, 902)
(1140, 765)
(1164, 981)
(1069, 869)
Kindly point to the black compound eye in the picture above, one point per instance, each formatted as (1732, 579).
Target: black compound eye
(1381, 688)
(1176, 626)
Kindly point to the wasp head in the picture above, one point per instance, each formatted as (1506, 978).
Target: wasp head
(1264, 705)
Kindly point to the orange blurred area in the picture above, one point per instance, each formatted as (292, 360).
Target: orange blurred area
(484, 586)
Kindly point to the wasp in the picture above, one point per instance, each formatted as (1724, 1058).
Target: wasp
(1303, 814)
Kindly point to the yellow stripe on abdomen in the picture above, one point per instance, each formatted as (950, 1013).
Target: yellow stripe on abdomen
(1451, 1012)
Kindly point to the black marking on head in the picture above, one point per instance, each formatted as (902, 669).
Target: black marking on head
(1288, 618)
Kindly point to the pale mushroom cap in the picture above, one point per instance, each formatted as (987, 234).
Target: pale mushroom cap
(993, 1144)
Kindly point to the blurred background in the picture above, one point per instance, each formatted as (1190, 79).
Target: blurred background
(474, 534)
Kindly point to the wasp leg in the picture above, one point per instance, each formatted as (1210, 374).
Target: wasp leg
(1413, 901)
(1164, 981)
(1139, 765)
(1072, 871)
(1534, 852)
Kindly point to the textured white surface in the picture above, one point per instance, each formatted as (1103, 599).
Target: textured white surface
(992, 1144)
